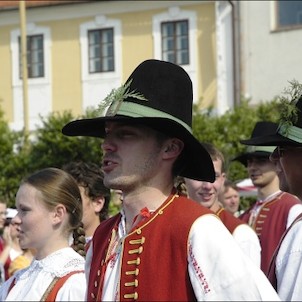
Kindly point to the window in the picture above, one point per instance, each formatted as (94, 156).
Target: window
(35, 57)
(101, 50)
(175, 42)
(289, 13)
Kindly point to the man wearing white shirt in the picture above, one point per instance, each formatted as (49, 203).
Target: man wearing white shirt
(285, 271)
(275, 210)
(161, 246)
(207, 194)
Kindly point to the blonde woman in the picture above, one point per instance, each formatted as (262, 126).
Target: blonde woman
(49, 209)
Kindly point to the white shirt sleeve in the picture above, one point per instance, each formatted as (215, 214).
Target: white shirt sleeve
(248, 240)
(289, 265)
(293, 213)
(218, 268)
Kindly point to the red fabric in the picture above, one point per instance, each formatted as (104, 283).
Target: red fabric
(270, 224)
(53, 293)
(8, 260)
(159, 245)
(229, 220)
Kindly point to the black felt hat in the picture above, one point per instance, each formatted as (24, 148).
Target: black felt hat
(262, 128)
(157, 94)
(288, 133)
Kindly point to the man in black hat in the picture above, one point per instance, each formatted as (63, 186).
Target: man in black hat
(274, 209)
(162, 246)
(207, 194)
(285, 271)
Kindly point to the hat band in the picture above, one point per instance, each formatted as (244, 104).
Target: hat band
(252, 149)
(137, 110)
(291, 132)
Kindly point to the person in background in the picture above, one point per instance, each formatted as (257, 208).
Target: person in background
(148, 142)
(15, 249)
(19, 258)
(230, 198)
(95, 195)
(285, 270)
(274, 209)
(12, 247)
(207, 193)
(4, 262)
(49, 209)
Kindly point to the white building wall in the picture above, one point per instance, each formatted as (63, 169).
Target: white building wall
(225, 71)
(268, 59)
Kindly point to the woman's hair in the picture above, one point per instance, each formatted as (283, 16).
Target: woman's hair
(58, 187)
(90, 177)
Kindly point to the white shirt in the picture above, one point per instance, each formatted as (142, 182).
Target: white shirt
(289, 265)
(249, 242)
(32, 282)
(215, 262)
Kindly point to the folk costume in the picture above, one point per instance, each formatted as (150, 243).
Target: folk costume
(277, 211)
(285, 271)
(243, 234)
(126, 267)
(285, 266)
(36, 282)
(179, 251)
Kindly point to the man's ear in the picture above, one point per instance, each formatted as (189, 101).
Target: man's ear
(98, 204)
(173, 148)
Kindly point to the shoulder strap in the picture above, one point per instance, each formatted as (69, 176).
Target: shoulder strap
(52, 290)
(271, 274)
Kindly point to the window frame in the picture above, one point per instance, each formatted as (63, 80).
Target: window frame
(101, 32)
(176, 51)
(30, 56)
(278, 26)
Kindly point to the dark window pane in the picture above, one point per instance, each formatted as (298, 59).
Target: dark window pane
(35, 56)
(101, 50)
(289, 13)
(175, 42)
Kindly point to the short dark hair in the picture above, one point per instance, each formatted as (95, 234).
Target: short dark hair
(90, 176)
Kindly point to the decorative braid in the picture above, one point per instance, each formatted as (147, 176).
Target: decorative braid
(181, 186)
(79, 240)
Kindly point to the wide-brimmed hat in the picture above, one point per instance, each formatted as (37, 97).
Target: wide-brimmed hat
(159, 95)
(289, 131)
(262, 128)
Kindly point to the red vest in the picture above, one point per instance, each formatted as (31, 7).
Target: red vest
(154, 254)
(229, 220)
(270, 224)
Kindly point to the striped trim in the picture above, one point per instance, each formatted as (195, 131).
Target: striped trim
(291, 132)
(137, 110)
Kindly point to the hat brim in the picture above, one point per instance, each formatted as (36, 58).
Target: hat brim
(198, 163)
(270, 140)
(242, 158)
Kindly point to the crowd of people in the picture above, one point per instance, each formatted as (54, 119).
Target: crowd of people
(180, 234)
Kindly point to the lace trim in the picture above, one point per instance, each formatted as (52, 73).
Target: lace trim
(58, 264)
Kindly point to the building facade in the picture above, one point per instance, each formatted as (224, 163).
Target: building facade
(78, 51)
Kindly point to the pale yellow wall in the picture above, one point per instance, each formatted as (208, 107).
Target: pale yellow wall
(206, 54)
(65, 65)
(137, 45)
(6, 97)
(137, 40)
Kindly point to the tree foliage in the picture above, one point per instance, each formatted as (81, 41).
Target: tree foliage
(49, 147)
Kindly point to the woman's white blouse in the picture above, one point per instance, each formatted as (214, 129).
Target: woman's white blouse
(33, 281)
